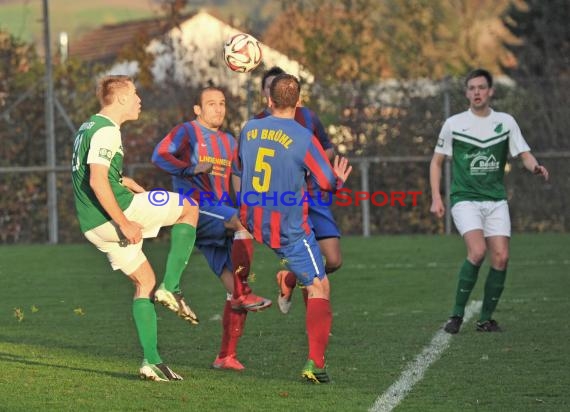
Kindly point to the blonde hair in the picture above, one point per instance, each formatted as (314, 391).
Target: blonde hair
(108, 86)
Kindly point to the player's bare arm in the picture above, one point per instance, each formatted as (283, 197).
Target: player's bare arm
(435, 167)
(130, 184)
(342, 168)
(531, 164)
(99, 182)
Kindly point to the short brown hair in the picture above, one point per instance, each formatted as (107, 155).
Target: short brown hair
(285, 91)
(198, 99)
(108, 85)
(479, 73)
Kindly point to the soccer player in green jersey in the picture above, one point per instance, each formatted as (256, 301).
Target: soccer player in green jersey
(115, 214)
(479, 141)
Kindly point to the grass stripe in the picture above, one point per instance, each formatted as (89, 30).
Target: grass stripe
(455, 264)
(415, 370)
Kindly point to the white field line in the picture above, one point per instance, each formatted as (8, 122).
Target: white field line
(415, 370)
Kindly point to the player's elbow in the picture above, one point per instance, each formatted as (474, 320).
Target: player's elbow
(160, 162)
(436, 161)
(155, 158)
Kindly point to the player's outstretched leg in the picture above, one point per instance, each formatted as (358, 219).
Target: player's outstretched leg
(242, 256)
(175, 302)
(168, 293)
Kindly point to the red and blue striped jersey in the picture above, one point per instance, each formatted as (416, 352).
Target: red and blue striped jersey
(308, 119)
(276, 154)
(190, 143)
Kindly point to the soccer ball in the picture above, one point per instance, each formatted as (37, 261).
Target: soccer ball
(242, 53)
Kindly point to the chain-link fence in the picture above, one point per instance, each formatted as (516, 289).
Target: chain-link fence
(387, 131)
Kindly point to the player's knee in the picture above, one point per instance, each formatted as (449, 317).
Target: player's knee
(189, 214)
(147, 289)
(319, 289)
(333, 264)
(477, 255)
(144, 286)
(500, 259)
(234, 225)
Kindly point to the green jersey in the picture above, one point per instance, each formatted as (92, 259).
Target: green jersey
(97, 141)
(479, 147)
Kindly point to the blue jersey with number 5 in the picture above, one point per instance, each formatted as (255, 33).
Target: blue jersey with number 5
(276, 154)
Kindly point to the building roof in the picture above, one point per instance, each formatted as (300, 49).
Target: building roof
(107, 42)
(188, 51)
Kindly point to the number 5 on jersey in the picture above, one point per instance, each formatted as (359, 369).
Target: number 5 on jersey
(261, 183)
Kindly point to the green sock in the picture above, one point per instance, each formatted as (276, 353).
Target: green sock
(145, 321)
(494, 286)
(182, 241)
(467, 279)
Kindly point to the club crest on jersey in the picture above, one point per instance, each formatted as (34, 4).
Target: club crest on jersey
(106, 154)
(481, 165)
(499, 128)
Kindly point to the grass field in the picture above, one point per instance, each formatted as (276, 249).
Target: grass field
(76, 349)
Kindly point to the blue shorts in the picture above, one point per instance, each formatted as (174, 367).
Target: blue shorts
(322, 222)
(211, 230)
(213, 239)
(218, 257)
(304, 259)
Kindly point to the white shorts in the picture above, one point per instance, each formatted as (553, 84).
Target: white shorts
(491, 217)
(127, 257)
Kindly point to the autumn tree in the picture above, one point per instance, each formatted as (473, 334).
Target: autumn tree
(433, 39)
(23, 213)
(543, 66)
(18, 71)
(367, 40)
(352, 47)
(336, 40)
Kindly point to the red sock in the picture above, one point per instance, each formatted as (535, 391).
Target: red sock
(242, 255)
(318, 321)
(235, 329)
(225, 330)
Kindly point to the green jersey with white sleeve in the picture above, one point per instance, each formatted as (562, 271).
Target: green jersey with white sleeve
(98, 140)
(479, 147)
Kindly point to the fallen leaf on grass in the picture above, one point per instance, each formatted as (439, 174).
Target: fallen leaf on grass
(19, 314)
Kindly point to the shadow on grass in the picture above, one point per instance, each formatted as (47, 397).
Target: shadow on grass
(7, 357)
